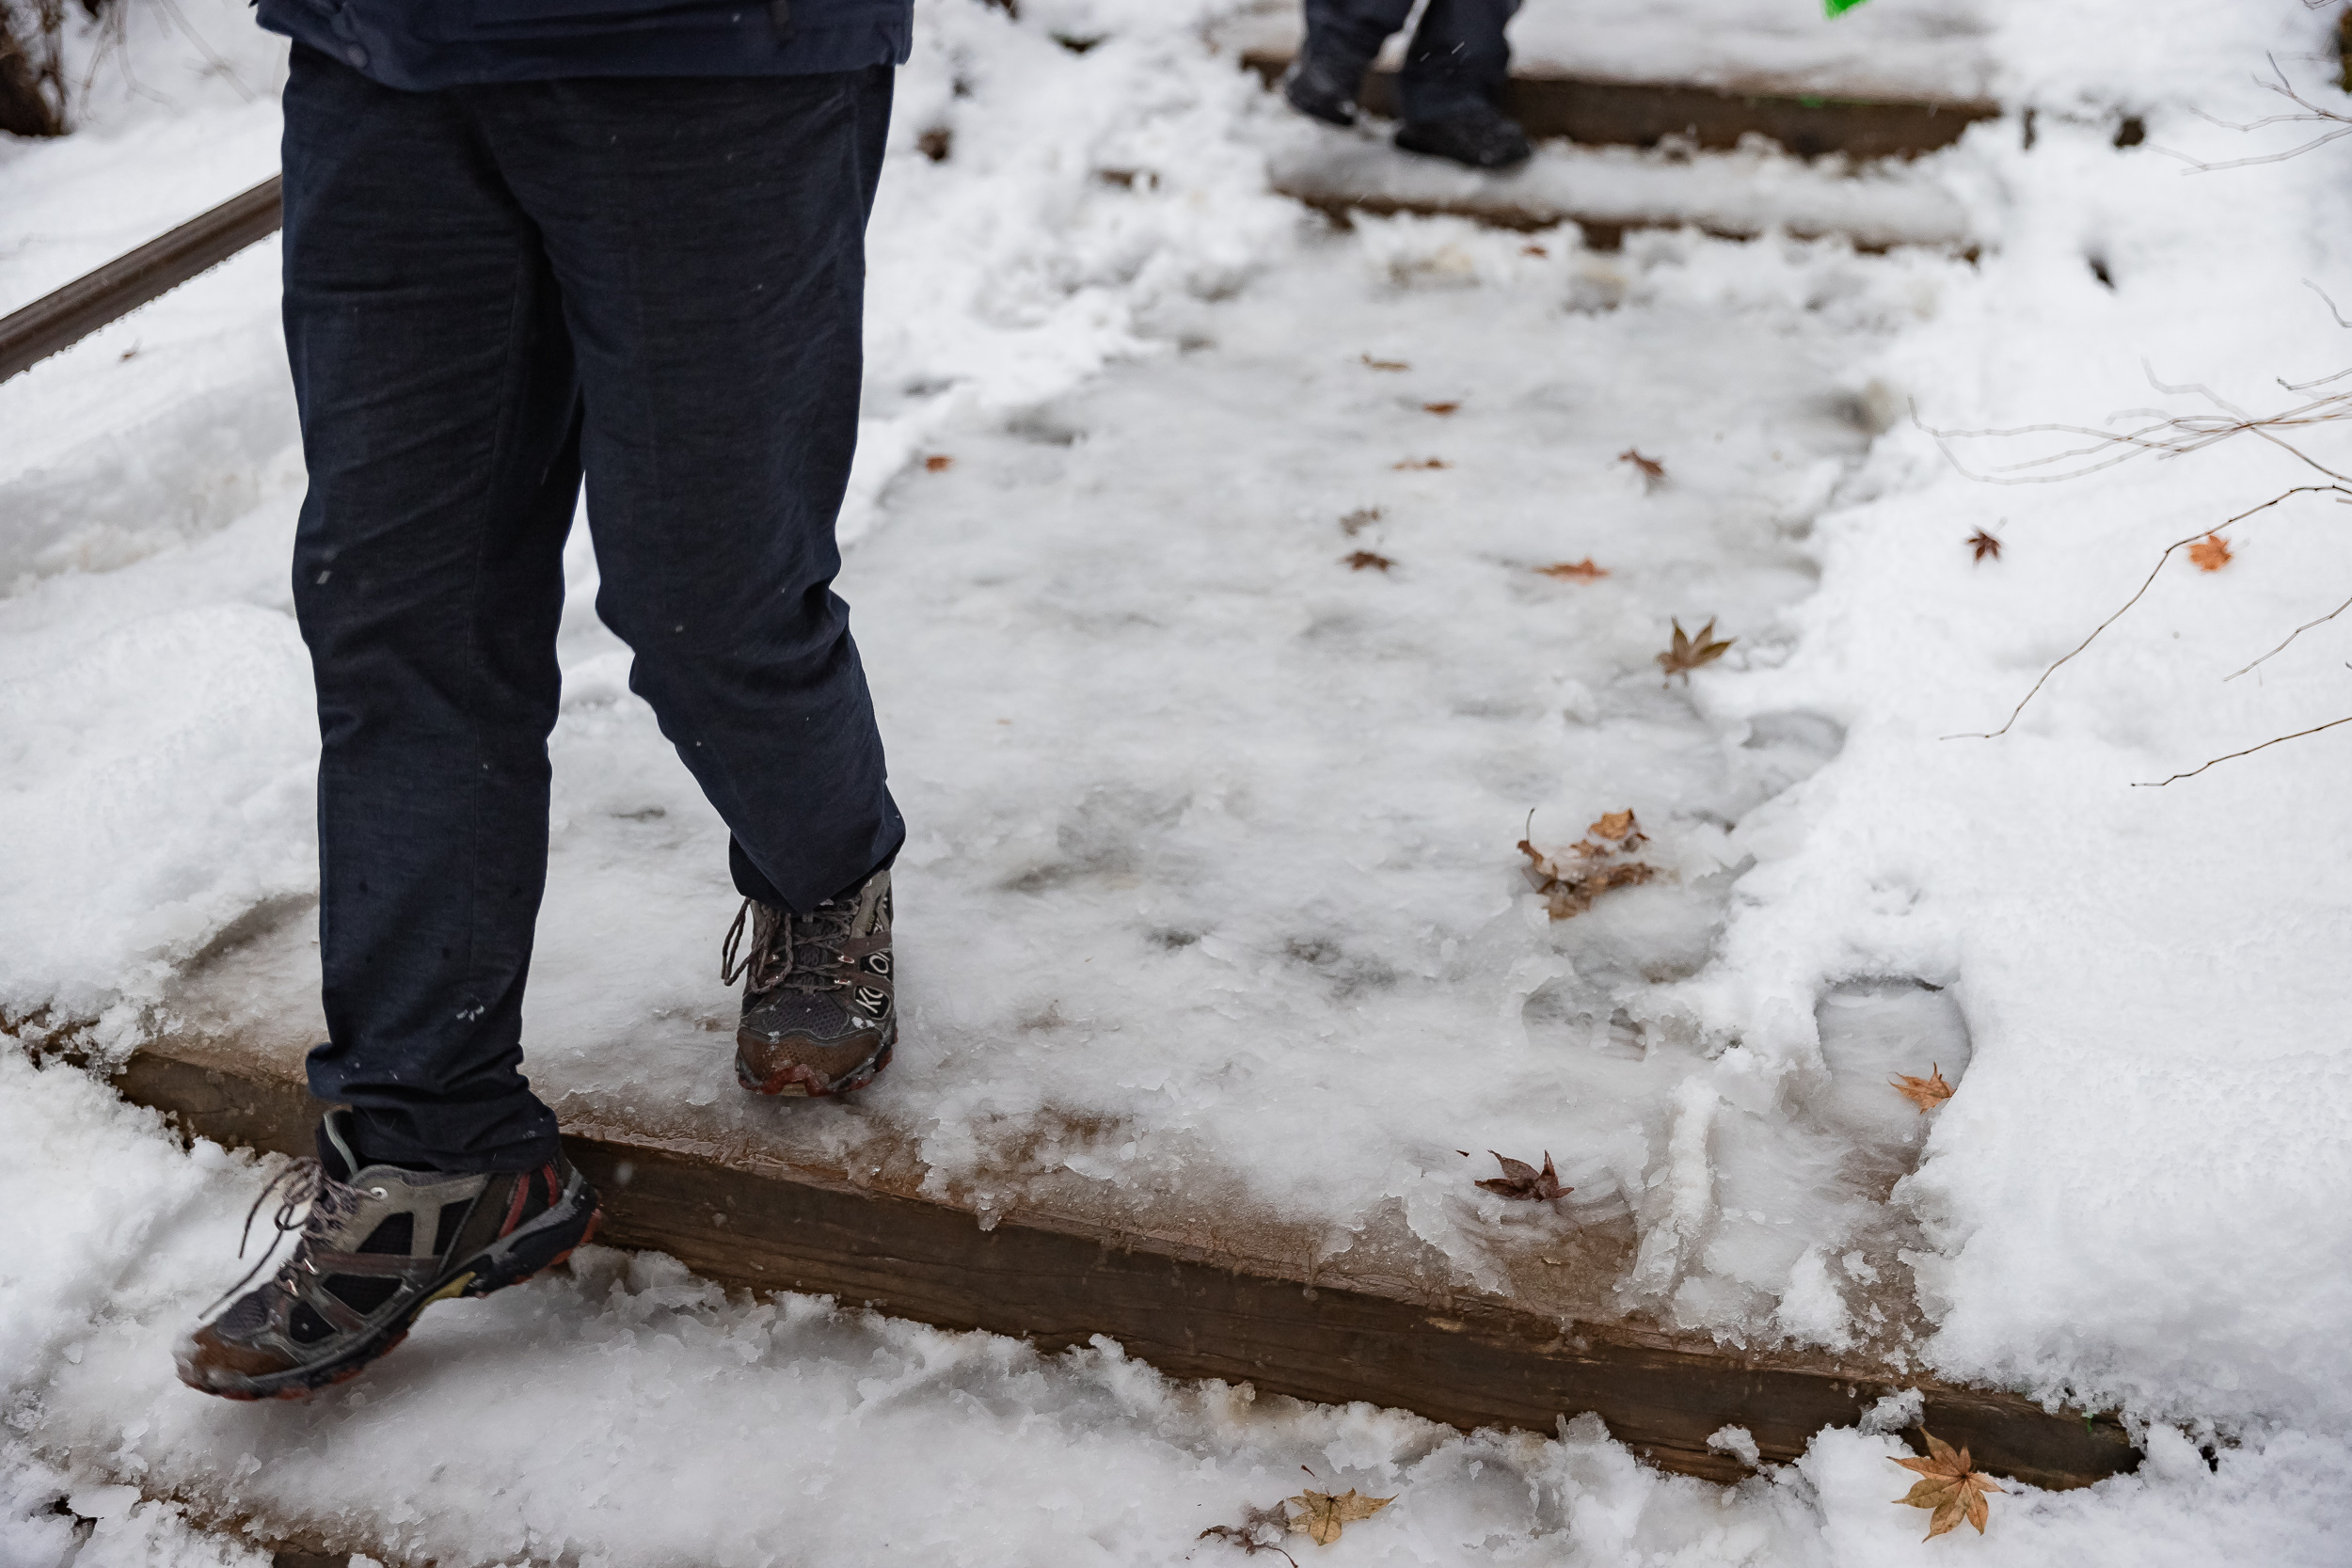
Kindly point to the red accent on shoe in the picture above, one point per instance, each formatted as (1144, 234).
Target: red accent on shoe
(514, 1208)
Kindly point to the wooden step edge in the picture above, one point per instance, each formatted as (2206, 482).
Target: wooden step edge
(59, 320)
(1470, 1364)
(1604, 113)
(1600, 232)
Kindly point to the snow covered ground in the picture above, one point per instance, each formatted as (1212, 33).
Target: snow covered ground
(1212, 902)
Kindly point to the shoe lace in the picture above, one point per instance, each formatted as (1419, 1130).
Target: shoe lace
(789, 952)
(304, 1191)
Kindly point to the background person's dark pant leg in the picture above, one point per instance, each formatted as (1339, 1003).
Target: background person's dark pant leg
(443, 419)
(436, 395)
(1456, 61)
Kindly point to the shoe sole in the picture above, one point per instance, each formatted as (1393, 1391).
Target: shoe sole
(532, 1254)
(801, 1082)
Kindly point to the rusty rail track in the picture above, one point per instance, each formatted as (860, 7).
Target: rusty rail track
(60, 320)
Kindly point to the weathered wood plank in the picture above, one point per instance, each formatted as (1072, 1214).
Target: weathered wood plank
(59, 320)
(1471, 1363)
(1603, 113)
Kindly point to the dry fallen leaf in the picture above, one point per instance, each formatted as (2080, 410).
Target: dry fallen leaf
(1653, 471)
(938, 463)
(1688, 653)
(1617, 825)
(1593, 866)
(1362, 559)
(1583, 571)
(1927, 1093)
(1421, 462)
(1523, 1180)
(1386, 364)
(1984, 544)
(1439, 407)
(1952, 1488)
(2211, 553)
(1326, 1515)
(1250, 1534)
(1533, 250)
(1357, 520)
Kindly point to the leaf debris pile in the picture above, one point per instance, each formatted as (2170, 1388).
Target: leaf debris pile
(1361, 558)
(1951, 1487)
(1573, 878)
(1260, 1530)
(1687, 653)
(1580, 571)
(1522, 1180)
(1927, 1093)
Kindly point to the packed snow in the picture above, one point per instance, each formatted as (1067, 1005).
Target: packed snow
(1212, 906)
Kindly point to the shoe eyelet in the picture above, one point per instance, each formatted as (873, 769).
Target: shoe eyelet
(379, 1191)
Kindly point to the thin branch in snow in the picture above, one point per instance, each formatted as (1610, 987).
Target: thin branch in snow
(2137, 597)
(2159, 784)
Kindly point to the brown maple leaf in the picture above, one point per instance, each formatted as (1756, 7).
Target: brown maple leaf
(1439, 407)
(1360, 519)
(1522, 1180)
(1385, 364)
(1653, 471)
(1582, 571)
(1413, 464)
(2211, 553)
(1927, 1093)
(1951, 1487)
(1984, 544)
(1250, 1535)
(1362, 559)
(938, 463)
(1688, 653)
(1326, 1515)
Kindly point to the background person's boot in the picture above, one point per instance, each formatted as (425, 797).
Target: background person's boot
(819, 1013)
(1324, 87)
(378, 1245)
(1481, 137)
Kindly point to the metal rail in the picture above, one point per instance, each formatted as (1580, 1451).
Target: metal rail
(62, 319)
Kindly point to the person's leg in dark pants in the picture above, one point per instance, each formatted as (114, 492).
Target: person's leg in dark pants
(436, 387)
(485, 286)
(708, 240)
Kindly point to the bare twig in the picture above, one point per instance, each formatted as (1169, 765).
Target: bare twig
(2137, 597)
(2159, 784)
(2311, 114)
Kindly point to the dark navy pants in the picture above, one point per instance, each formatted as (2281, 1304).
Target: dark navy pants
(1456, 61)
(490, 290)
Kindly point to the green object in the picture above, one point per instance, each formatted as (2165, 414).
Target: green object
(1839, 8)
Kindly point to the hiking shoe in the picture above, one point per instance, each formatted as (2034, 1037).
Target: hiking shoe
(819, 1012)
(379, 1245)
(1324, 89)
(1482, 138)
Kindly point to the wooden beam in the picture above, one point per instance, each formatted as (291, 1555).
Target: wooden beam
(62, 319)
(1471, 1362)
(1644, 113)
